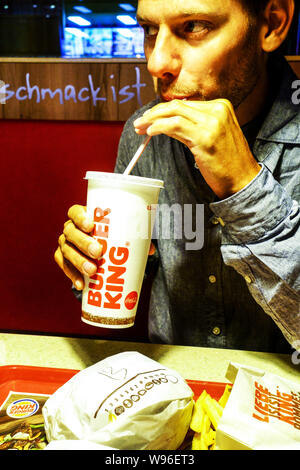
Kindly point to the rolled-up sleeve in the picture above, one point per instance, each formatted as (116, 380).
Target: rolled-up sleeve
(261, 241)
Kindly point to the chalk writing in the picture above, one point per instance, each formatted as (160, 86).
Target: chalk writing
(2, 92)
(92, 92)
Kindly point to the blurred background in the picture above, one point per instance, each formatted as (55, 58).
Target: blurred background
(67, 28)
(82, 28)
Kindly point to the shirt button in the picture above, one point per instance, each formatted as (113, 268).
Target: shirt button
(248, 279)
(216, 331)
(212, 279)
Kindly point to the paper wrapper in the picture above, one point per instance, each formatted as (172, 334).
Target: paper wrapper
(76, 445)
(262, 413)
(127, 401)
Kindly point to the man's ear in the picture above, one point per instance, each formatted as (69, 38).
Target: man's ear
(276, 22)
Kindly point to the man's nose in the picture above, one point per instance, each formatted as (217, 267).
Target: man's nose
(164, 58)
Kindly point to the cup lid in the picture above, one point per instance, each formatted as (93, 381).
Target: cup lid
(115, 177)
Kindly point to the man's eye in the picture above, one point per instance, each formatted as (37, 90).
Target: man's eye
(195, 27)
(150, 30)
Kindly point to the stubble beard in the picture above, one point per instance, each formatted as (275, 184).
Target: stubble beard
(239, 81)
(235, 83)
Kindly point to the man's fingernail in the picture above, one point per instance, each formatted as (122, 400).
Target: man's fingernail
(78, 284)
(94, 250)
(138, 122)
(87, 226)
(89, 268)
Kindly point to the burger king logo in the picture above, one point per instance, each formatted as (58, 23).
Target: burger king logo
(22, 408)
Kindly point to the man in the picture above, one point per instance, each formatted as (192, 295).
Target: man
(225, 135)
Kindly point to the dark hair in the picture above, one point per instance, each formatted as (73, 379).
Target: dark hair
(254, 7)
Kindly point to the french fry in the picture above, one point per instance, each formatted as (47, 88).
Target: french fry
(200, 438)
(205, 425)
(210, 437)
(198, 413)
(209, 405)
(224, 398)
(196, 442)
(219, 409)
(205, 431)
(203, 445)
(199, 442)
(205, 419)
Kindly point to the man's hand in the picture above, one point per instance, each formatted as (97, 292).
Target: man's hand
(211, 131)
(77, 250)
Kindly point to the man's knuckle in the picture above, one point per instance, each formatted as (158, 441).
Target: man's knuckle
(210, 140)
(63, 249)
(61, 239)
(75, 212)
(68, 229)
(57, 256)
(67, 223)
(213, 133)
(176, 104)
(224, 109)
(220, 109)
(72, 209)
(177, 123)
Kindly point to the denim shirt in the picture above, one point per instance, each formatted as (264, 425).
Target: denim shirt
(240, 290)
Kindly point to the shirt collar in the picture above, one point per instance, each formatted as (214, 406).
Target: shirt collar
(282, 124)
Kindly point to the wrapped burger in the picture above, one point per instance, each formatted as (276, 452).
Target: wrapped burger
(127, 401)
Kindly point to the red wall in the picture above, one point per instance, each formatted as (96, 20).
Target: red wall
(42, 169)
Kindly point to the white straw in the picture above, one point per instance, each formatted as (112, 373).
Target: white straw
(137, 156)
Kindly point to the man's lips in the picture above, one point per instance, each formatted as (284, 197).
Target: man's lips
(172, 96)
(166, 97)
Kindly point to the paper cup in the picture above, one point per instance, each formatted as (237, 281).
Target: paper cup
(123, 209)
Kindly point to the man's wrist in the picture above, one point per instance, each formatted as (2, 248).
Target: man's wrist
(256, 209)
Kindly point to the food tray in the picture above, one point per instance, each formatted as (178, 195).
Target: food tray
(214, 389)
(24, 391)
(29, 379)
(46, 380)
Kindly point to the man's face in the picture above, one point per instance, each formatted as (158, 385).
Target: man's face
(200, 49)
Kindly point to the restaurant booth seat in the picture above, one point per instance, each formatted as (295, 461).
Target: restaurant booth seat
(43, 164)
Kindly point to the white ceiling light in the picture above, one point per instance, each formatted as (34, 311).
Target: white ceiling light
(126, 19)
(82, 9)
(127, 6)
(79, 20)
